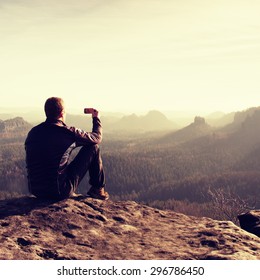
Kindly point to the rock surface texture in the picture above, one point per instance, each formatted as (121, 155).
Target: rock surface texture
(84, 228)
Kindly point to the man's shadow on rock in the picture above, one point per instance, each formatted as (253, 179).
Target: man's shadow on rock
(24, 205)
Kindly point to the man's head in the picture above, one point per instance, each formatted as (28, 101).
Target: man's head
(54, 108)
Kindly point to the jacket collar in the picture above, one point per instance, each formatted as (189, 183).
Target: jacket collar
(55, 122)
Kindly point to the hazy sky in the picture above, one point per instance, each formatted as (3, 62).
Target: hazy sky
(131, 54)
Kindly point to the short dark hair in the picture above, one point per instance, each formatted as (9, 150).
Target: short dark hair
(53, 107)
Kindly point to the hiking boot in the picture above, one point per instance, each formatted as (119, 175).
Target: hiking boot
(98, 193)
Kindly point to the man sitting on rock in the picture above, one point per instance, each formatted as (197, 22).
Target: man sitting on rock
(48, 147)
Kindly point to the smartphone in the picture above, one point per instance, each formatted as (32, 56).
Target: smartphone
(88, 110)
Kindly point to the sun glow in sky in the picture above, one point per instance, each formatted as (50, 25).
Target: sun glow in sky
(131, 55)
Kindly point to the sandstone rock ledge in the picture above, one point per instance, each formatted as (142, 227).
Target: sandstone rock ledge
(84, 228)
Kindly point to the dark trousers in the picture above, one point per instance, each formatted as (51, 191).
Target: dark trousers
(87, 159)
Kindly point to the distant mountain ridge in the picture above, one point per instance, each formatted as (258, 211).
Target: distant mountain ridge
(196, 129)
(14, 127)
(239, 118)
(156, 121)
(245, 128)
(152, 121)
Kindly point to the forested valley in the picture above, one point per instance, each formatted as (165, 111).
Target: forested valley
(198, 170)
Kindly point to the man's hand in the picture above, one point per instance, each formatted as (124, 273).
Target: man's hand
(95, 113)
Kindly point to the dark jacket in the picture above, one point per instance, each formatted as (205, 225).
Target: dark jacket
(48, 147)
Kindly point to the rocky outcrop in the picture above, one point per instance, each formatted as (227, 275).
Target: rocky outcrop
(250, 221)
(84, 228)
(195, 130)
(199, 121)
